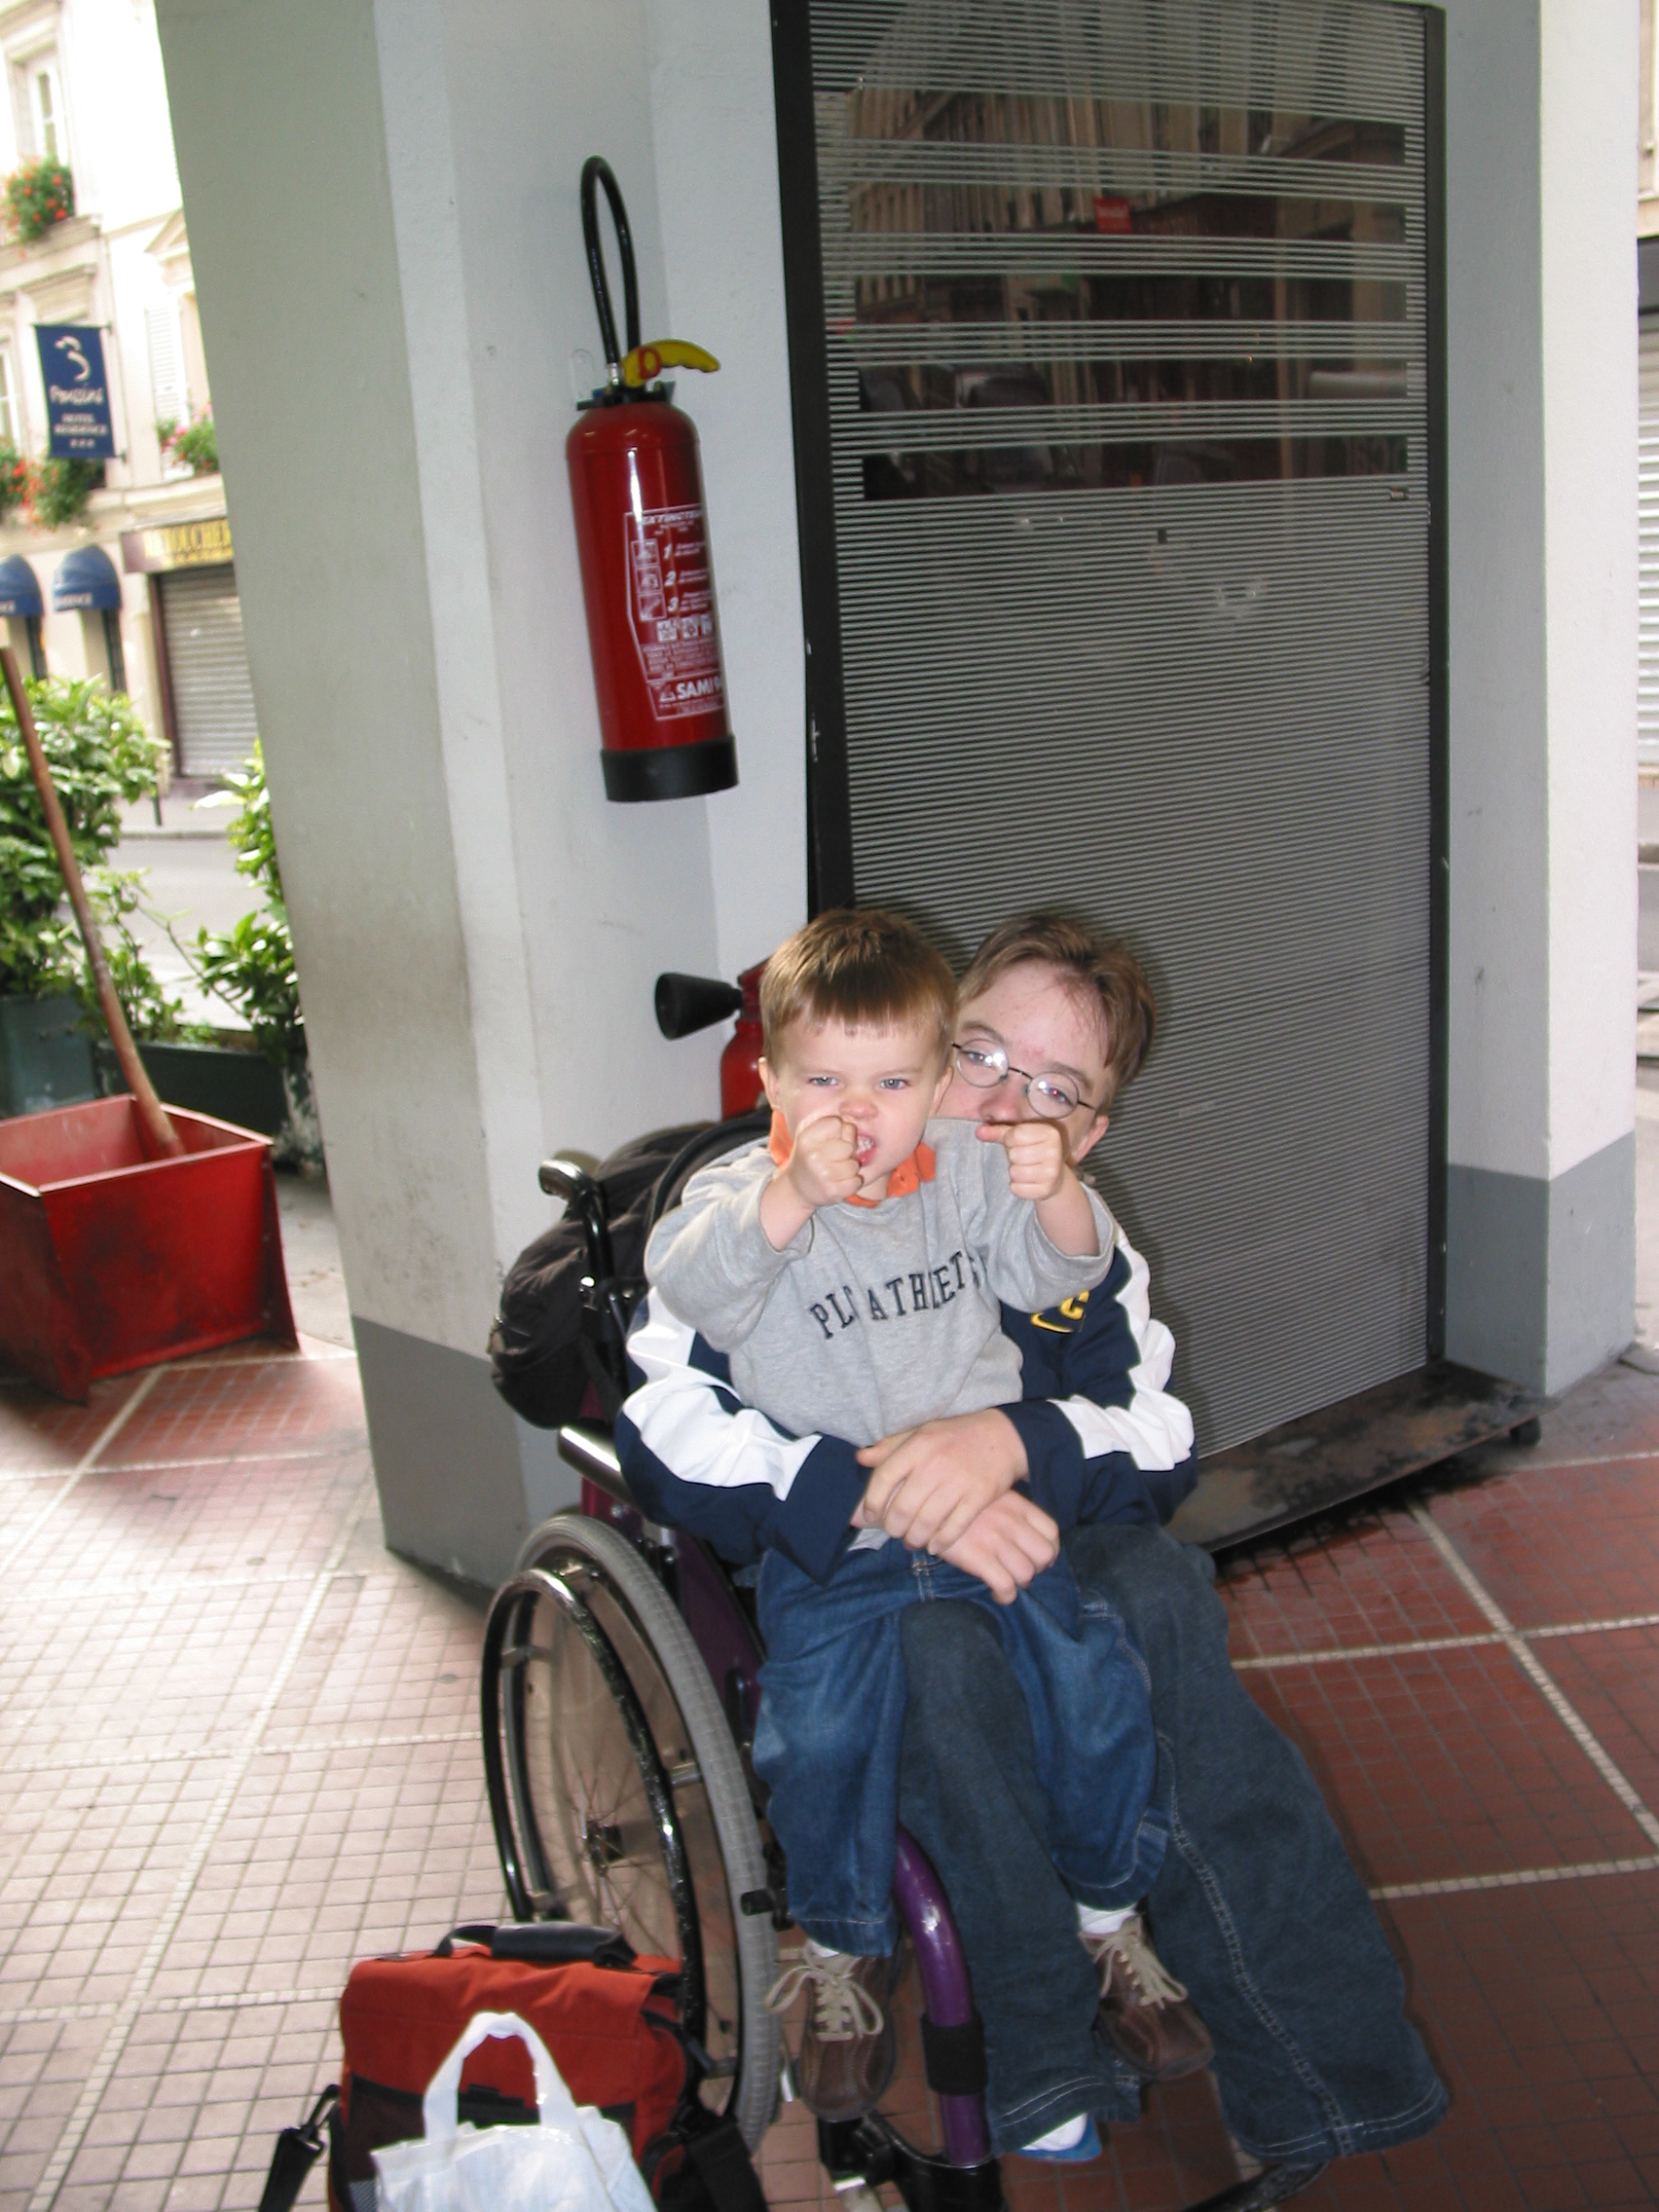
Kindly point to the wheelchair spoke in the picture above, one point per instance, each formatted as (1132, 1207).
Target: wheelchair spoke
(618, 1793)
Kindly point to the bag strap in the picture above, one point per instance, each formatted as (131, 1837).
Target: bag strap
(297, 2150)
(542, 1942)
(720, 2157)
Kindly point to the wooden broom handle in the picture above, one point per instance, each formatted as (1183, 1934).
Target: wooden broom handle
(151, 1110)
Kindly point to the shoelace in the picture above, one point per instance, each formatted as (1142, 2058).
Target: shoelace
(843, 2007)
(1127, 1947)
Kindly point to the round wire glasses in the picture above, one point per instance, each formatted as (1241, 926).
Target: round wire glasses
(984, 1067)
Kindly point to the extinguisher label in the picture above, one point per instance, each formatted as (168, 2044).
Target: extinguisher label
(672, 598)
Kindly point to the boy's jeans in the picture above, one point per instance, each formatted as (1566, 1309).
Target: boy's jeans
(1256, 1909)
(832, 1717)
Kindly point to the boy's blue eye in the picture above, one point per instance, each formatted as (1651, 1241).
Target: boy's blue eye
(819, 1081)
(895, 1082)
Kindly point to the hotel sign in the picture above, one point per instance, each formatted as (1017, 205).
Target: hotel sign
(175, 545)
(77, 392)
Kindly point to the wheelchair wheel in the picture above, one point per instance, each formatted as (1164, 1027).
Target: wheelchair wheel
(617, 1794)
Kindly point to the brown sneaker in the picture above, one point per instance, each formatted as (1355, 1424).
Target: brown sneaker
(847, 2046)
(1145, 2014)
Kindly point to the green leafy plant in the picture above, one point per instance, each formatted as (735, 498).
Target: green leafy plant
(252, 967)
(101, 758)
(195, 442)
(14, 479)
(153, 1018)
(56, 492)
(38, 196)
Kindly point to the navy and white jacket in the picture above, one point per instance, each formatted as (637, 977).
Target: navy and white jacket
(1104, 1440)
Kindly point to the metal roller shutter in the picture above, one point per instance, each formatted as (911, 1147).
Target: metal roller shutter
(1123, 314)
(207, 665)
(1647, 686)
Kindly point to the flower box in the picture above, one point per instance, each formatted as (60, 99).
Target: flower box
(46, 1058)
(112, 1258)
(220, 1079)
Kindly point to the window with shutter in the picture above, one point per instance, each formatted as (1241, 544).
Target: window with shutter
(167, 386)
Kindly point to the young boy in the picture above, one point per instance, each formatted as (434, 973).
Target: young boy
(853, 1273)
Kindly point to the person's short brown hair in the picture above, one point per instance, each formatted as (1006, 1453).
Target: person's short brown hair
(862, 967)
(1101, 974)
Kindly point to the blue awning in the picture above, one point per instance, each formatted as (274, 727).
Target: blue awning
(86, 580)
(19, 587)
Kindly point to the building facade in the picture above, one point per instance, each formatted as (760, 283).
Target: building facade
(140, 588)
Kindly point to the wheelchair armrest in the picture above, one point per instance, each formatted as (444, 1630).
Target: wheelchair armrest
(587, 1446)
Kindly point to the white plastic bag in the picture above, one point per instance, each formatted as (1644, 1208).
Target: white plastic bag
(573, 2161)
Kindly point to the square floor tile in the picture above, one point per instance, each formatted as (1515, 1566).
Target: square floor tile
(1448, 1763)
(1378, 1580)
(1554, 1544)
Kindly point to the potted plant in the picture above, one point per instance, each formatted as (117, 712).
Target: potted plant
(194, 444)
(38, 196)
(101, 757)
(56, 492)
(250, 970)
(192, 1065)
(14, 479)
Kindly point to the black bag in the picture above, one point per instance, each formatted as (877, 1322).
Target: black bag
(542, 1348)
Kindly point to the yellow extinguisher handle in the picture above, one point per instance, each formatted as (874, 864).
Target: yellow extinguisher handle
(646, 363)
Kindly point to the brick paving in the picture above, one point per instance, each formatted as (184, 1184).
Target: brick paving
(244, 1747)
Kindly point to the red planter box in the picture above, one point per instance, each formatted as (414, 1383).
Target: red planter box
(112, 1258)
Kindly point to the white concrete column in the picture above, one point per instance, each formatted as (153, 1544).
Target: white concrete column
(1542, 345)
(383, 213)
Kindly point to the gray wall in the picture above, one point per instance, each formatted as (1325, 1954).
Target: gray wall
(383, 227)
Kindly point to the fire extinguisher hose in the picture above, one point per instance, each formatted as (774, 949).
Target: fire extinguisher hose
(596, 171)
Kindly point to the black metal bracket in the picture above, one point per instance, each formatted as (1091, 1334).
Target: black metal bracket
(872, 2150)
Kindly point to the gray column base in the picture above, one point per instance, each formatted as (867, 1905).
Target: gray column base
(1540, 1277)
(461, 1480)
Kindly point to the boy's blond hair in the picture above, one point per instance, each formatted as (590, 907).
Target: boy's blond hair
(862, 967)
(1102, 976)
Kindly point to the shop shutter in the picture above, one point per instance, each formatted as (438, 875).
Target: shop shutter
(1125, 375)
(207, 665)
(1647, 684)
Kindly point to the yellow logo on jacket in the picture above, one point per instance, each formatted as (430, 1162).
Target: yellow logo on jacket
(1069, 1315)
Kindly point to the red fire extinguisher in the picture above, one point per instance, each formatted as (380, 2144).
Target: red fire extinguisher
(687, 1003)
(643, 536)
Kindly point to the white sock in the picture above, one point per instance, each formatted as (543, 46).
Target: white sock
(817, 1950)
(1066, 2137)
(1104, 1920)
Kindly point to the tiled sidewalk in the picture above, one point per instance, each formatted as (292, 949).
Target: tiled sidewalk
(245, 1745)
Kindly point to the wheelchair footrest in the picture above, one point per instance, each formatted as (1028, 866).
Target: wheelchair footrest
(872, 2150)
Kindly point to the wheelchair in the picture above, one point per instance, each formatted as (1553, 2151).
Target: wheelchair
(620, 1690)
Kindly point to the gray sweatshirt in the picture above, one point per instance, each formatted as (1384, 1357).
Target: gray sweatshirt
(874, 1317)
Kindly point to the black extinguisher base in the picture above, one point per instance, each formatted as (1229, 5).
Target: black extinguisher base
(669, 771)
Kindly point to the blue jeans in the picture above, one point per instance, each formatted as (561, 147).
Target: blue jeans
(831, 1722)
(1257, 1907)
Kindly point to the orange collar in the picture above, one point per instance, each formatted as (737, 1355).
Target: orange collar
(910, 1174)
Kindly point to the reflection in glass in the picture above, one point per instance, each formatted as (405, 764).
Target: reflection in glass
(1112, 290)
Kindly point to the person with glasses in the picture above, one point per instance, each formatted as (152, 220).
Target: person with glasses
(852, 1272)
(1256, 1906)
